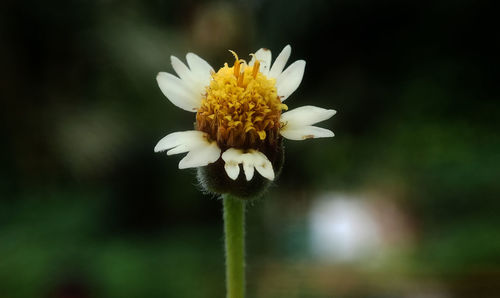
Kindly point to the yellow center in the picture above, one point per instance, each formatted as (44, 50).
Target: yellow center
(241, 108)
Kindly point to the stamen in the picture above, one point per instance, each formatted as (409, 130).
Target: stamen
(236, 64)
(235, 55)
(255, 70)
(237, 68)
(240, 79)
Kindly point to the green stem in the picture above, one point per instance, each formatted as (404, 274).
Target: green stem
(234, 232)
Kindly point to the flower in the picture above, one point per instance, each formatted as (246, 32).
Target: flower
(240, 118)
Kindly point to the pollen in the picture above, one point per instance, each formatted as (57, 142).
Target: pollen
(241, 107)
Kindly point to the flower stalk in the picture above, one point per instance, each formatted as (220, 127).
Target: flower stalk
(234, 237)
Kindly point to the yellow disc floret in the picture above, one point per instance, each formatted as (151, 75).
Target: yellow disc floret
(241, 108)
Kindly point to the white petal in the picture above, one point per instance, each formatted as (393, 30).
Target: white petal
(193, 137)
(297, 123)
(264, 56)
(232, 158)
(290, 79)
(182, 70)
(251, 160)
(201, 151)
(248, 160)
(179, 149)
(200, 68)
(305, 132)
(249, 171)
(194, 82)
(280, 62)
(306, 115)
(232, 170)
(232, 154)
(206, 153)
(264, 166)
(177, 92)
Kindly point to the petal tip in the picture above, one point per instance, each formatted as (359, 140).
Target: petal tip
(330, 113)
(161, 75)
(232, 171)
(158, 148)
(328, 134)
(190, 55)
(174, 59)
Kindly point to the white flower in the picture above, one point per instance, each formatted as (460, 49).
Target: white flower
(239, 109)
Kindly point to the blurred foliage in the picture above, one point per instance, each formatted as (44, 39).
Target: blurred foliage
(87, 209)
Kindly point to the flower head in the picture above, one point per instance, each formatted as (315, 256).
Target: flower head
(240, 119)
(241, 107)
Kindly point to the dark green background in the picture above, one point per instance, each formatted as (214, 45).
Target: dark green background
(88, 210)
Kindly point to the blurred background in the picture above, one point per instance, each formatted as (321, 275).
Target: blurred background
(403, 202)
